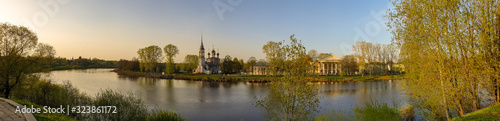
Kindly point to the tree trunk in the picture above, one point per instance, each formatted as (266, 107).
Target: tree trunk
(6, 93)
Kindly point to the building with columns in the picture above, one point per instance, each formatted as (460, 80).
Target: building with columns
(209, 65)
(327, 65)
(324, 65)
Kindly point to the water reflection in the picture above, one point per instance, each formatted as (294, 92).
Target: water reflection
(199, 100)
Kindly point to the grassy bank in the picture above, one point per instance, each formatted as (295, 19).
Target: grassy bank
(256, 78)
(41, 92)
(491, 113)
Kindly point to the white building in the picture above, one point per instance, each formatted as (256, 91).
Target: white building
(327, 65)
(210, 65)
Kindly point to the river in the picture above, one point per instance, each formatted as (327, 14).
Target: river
(198, 100)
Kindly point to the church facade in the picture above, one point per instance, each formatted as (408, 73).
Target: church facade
(209, 65)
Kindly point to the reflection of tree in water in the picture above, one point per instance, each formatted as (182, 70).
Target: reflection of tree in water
(210, 84)
(146, 81)
(129, 78)
(218, 84)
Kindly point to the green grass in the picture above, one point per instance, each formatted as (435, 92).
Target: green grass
(45, 116)
(487, 114)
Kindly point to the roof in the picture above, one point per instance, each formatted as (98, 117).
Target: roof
(328, 58)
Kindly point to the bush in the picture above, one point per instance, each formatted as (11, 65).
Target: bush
(162, 115)
(374, 111)
(46, 93)
(129, 107)
(334, 116)
(407, 112)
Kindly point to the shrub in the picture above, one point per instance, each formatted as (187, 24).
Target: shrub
(407, 112)
(334, 116)
(162, 115)
(44, 92)
(374, 111)
(128, 106)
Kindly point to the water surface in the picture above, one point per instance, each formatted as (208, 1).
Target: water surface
(197, 100)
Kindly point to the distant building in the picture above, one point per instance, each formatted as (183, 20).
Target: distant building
(327, 65)
(324, 65)
(210, 65)
(260, 68)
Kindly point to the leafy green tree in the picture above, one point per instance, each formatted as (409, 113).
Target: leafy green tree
(227, 65)
(361, 53)
(290, 97)
(312, 54)
(349, 65)
(236, 65)
(242, 64)
(149, 57)
(250, 63)
(170, 52)
(449, 50)
(21, 55)
(190, 62)
(275, 57)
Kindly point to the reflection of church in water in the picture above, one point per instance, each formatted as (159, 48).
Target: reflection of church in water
(210, 65)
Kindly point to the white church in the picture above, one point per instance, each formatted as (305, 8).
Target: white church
(210, 65)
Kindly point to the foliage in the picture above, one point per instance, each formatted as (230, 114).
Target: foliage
(60, 63)
(126, 65)
(149, 57)
(451, 50)
(128, 106)
(44, 92)
(230, 66)
(227, 65)
(290, 97)
(407, 112)
(190, 63)
(374, 57)
(374, 111)
(334, 115)
(170, 52)
(275, 56)
(21, 55)
(236, 65)
(248, 67)
(162, 115)
(312, 54)
(349, 66)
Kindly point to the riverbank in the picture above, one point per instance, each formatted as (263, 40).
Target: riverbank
(491, 113)
(256, 78)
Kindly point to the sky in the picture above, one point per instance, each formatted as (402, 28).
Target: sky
(116, 29)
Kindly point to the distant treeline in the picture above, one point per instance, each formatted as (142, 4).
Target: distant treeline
(81, 63)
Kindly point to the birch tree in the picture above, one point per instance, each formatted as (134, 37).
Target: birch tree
(452, 45)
